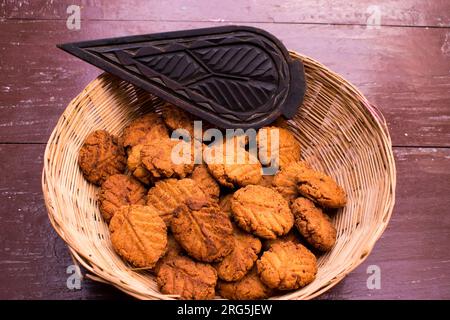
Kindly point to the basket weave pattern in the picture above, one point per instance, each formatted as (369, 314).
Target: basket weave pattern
(341, 133)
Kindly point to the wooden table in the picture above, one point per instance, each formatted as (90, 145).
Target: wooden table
(396, 52)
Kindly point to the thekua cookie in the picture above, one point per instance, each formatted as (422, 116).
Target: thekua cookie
(101, 156)
(139, 235)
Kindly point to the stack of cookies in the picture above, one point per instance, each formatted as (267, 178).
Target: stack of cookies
(214, 227)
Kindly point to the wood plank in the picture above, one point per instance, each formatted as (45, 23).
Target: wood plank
(405, 71)
(2, 9)
(399, 13)
(33, 259)
(412, 254)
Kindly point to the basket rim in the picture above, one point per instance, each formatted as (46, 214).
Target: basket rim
(373, 112)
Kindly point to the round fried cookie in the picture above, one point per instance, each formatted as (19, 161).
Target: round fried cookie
(206, 182)
(292, 236)
(180, 275)
(168, 194)
(314, 225)
(287, 266)
(225, 203)
(250, 287)
(262, 211)
(137, 169)
(287, 151)
(119, 190)
(173, 250)
(176, 118)
(285, 181)
(101, 156)
(245, 252)
(321, 188)
(233, 169)
(144, 129)
(203, 230)
(167, 158)
(138, 235)
(266, 181)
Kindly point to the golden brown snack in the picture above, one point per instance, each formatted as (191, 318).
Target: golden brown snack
(225, 204)
(314, 225)
(250, 287)
(119, 190)
(288, 149)
(101, 156)
(203, 231)
(180, 275)
(168, 194)
(292, 236)
(138, 235)
(266, 181)
(163, 158)
(233, 169)
(173, 250)
(137, 169)
(287, 266)
(320, 188)
(176, 118)
(245, 252)
(206, 182)
(285, 181)
(144, 129)
(262, 211)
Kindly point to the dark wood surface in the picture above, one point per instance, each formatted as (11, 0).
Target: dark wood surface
(403, 67)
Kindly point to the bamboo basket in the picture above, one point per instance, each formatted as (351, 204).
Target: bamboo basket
(341, 133)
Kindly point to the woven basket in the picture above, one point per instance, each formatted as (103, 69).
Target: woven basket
(341, 133)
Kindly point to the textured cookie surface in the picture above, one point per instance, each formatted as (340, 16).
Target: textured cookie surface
(225, 204)
(176, 118)
(137, 169)
(206, 182)
(119, 190)
(203, 230)
(287, 266)
(262, 211)
(167, 158)
(168, 194)
(233, 169)
(144, 129)
(180, 275)
(250, 287)
(245, 252)
(285, 181)
(101, 156)
(266, 181)
(321, 188)
(139, 235)
(314, 225)
(173, 250)
(283, 151)
(292, 236)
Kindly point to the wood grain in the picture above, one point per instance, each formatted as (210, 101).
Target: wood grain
(413, 252)
(403, 67)
(33, 259)
(2, 9)
(398, 13)
(405, 71)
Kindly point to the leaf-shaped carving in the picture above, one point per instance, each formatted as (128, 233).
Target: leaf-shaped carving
(232, 76)
(179, 66)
